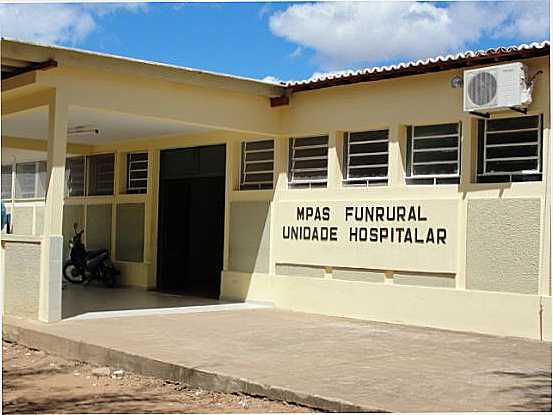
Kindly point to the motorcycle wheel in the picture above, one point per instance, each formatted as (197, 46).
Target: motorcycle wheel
(109, 278)
(72, 274)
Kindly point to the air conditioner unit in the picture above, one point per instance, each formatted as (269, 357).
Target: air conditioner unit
(496, 88)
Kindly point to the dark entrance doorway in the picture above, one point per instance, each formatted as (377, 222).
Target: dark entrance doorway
(191, 220)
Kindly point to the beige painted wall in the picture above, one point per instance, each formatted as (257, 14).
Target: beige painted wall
(479, 260)
(418, 99)
(424, 280)
(309, 271)
(252, 217)
(352, 274)
(445, 308)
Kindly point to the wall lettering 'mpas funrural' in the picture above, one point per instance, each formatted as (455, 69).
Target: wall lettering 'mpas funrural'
(400, 235)
(365, 224)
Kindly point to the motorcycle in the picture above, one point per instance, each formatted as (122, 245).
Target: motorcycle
(82, 266)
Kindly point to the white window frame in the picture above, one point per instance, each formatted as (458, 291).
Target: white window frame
(293, 182)
(37, 183)
(128, 173)
(12, 183)
(85, 175)
(88, 175)
(538, 157)
(368, 180)
(413, 150)
(243, 186)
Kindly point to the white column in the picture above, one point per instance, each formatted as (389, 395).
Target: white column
(545, 265)
(396, 163)
(467, 167)
(57, 144)
(281, 163)
(52, 244)
(280, 185)
(335, 140)
(118, 176)
(232, 182)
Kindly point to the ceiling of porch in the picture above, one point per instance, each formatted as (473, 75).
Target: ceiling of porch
(110, 126)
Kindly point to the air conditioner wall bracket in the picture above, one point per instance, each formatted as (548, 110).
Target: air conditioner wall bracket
(521, 110)
(480, 114)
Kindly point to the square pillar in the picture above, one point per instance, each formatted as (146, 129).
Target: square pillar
(55, 184)
(52, 243)
(396, 155)
(335, 143)
(467, 171)
(281, 163)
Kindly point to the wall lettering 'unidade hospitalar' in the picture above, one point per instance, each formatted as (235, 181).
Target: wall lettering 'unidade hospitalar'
(394, 235)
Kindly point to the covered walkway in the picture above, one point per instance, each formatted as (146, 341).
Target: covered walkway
(82, 141)
(323, 362)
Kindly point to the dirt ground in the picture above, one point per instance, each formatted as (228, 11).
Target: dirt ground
(35, 382)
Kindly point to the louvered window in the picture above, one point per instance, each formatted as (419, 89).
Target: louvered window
(30, 180)
(137, 172)
(257, 165)
(41, 179)
(433, 154)
(75, 176)
(366, 158)
(509, 149)
(7, 182)
(308, 162)
(100, 175)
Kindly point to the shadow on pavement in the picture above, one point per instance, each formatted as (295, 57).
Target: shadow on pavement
(533, 388)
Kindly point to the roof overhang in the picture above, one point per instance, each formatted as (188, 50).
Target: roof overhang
(461, 60)
(19, 57)
(14, 67)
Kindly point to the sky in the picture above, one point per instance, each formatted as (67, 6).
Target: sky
(280, 41)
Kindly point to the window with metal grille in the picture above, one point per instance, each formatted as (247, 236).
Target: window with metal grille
(137, 172)
(7, 182)
(41, 179)
(366, 158)
(30, 180)
(433, 154)
(509, 149)
(100, 175)
(308, 161)
(257, 165)
(75, 176)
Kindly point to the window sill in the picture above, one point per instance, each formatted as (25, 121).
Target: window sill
(353, 184)
(29, 200)
(432, 181)
(12, 237)
(513, 178)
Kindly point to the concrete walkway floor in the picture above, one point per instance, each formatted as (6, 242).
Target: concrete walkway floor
(323, 362)
(78, 299)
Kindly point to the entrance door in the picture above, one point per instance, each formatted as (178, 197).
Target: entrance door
(191, 220)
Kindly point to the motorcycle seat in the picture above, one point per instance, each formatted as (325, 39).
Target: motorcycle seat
(92, 263)
(95, 252)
